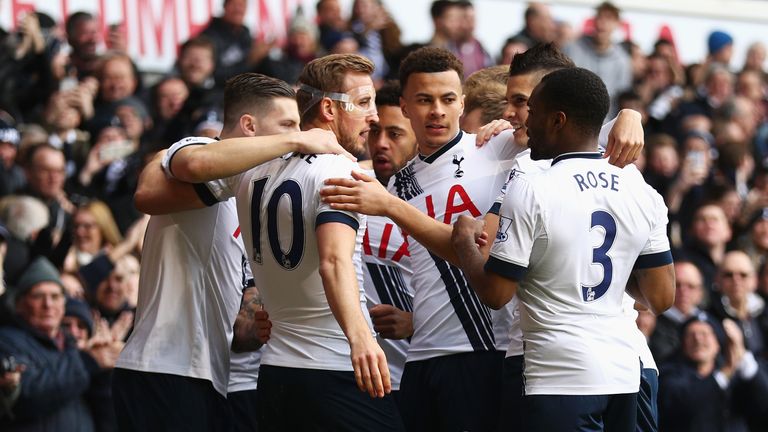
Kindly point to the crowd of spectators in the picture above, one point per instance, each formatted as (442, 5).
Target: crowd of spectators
(78, 121)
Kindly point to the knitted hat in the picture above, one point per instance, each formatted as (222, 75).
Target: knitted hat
(40, 270)
(78, 309)
(8, 131)
(717, 40)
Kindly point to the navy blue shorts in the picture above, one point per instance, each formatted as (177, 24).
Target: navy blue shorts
(647, 409)
(570, 413)
(458, 392)
(511, 419)
(242, 405)
(295, 399)
(146, 401)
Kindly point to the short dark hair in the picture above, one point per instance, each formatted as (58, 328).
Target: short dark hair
(608, 7)
(439, 7)
(531, 11)
(429, 60)
(389, 94)
(539, 58)
(199, 41)
(251, 93)
(580, 94)
(75, 19)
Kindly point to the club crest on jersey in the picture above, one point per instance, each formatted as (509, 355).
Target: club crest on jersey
(512, 174)
(504, 224)
(456, 161)
(406, 185)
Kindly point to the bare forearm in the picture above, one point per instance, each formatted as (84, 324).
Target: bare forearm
(472, 263)
(156, 194)
(225, 158)
(340, 284)
(432, 234)
(656, 287)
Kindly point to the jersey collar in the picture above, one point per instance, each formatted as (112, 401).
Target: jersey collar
(447, 146)
(577, 155)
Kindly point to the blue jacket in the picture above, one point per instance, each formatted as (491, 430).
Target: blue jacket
(52, 385)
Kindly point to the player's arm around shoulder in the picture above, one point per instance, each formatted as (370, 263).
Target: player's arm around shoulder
(336, 246)
(157, 194)
(623, 138)
(232, 156)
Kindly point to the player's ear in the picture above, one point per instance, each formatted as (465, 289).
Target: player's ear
(558, 119)
(248, 125)
(326, 110)
(403, 108)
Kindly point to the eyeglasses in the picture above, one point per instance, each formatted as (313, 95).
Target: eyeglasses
(731, 274)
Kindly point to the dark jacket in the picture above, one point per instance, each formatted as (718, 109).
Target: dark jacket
(232, 47)
(53, 384)
(689, 402)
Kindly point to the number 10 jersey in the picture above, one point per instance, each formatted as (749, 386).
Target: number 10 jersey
(279, 209)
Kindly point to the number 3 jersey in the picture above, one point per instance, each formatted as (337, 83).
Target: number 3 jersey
(459, 178)
(279, 209)
(571, 235)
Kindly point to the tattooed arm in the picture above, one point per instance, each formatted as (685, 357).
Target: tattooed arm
(252, 325)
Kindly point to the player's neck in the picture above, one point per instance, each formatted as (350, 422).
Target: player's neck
(316, 124)
(579, 146)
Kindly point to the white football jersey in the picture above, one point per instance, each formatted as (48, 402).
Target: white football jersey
(523, 164)
(279, 207)
(572, 235)
(190, 287)
(244, 371)
(637, 338)
(387, 278)
(459, 178)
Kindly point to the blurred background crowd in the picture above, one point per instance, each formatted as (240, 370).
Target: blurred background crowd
(78, 120)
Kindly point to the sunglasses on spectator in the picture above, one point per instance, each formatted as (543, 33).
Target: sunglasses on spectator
(731, 274)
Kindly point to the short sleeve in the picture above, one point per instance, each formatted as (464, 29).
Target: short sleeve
(337, 167)
(496, 206)
(166, 162)
(519, 217)
(210, 192)
(602, 140)
(504, 146)
(656, 252)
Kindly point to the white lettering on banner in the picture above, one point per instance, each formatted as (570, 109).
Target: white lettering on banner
(155, 28)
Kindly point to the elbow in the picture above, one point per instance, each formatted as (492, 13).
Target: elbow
(494, 302)
(192, 169)
(495, 305)
(327, 268)
(142, 200)
(663, 302)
